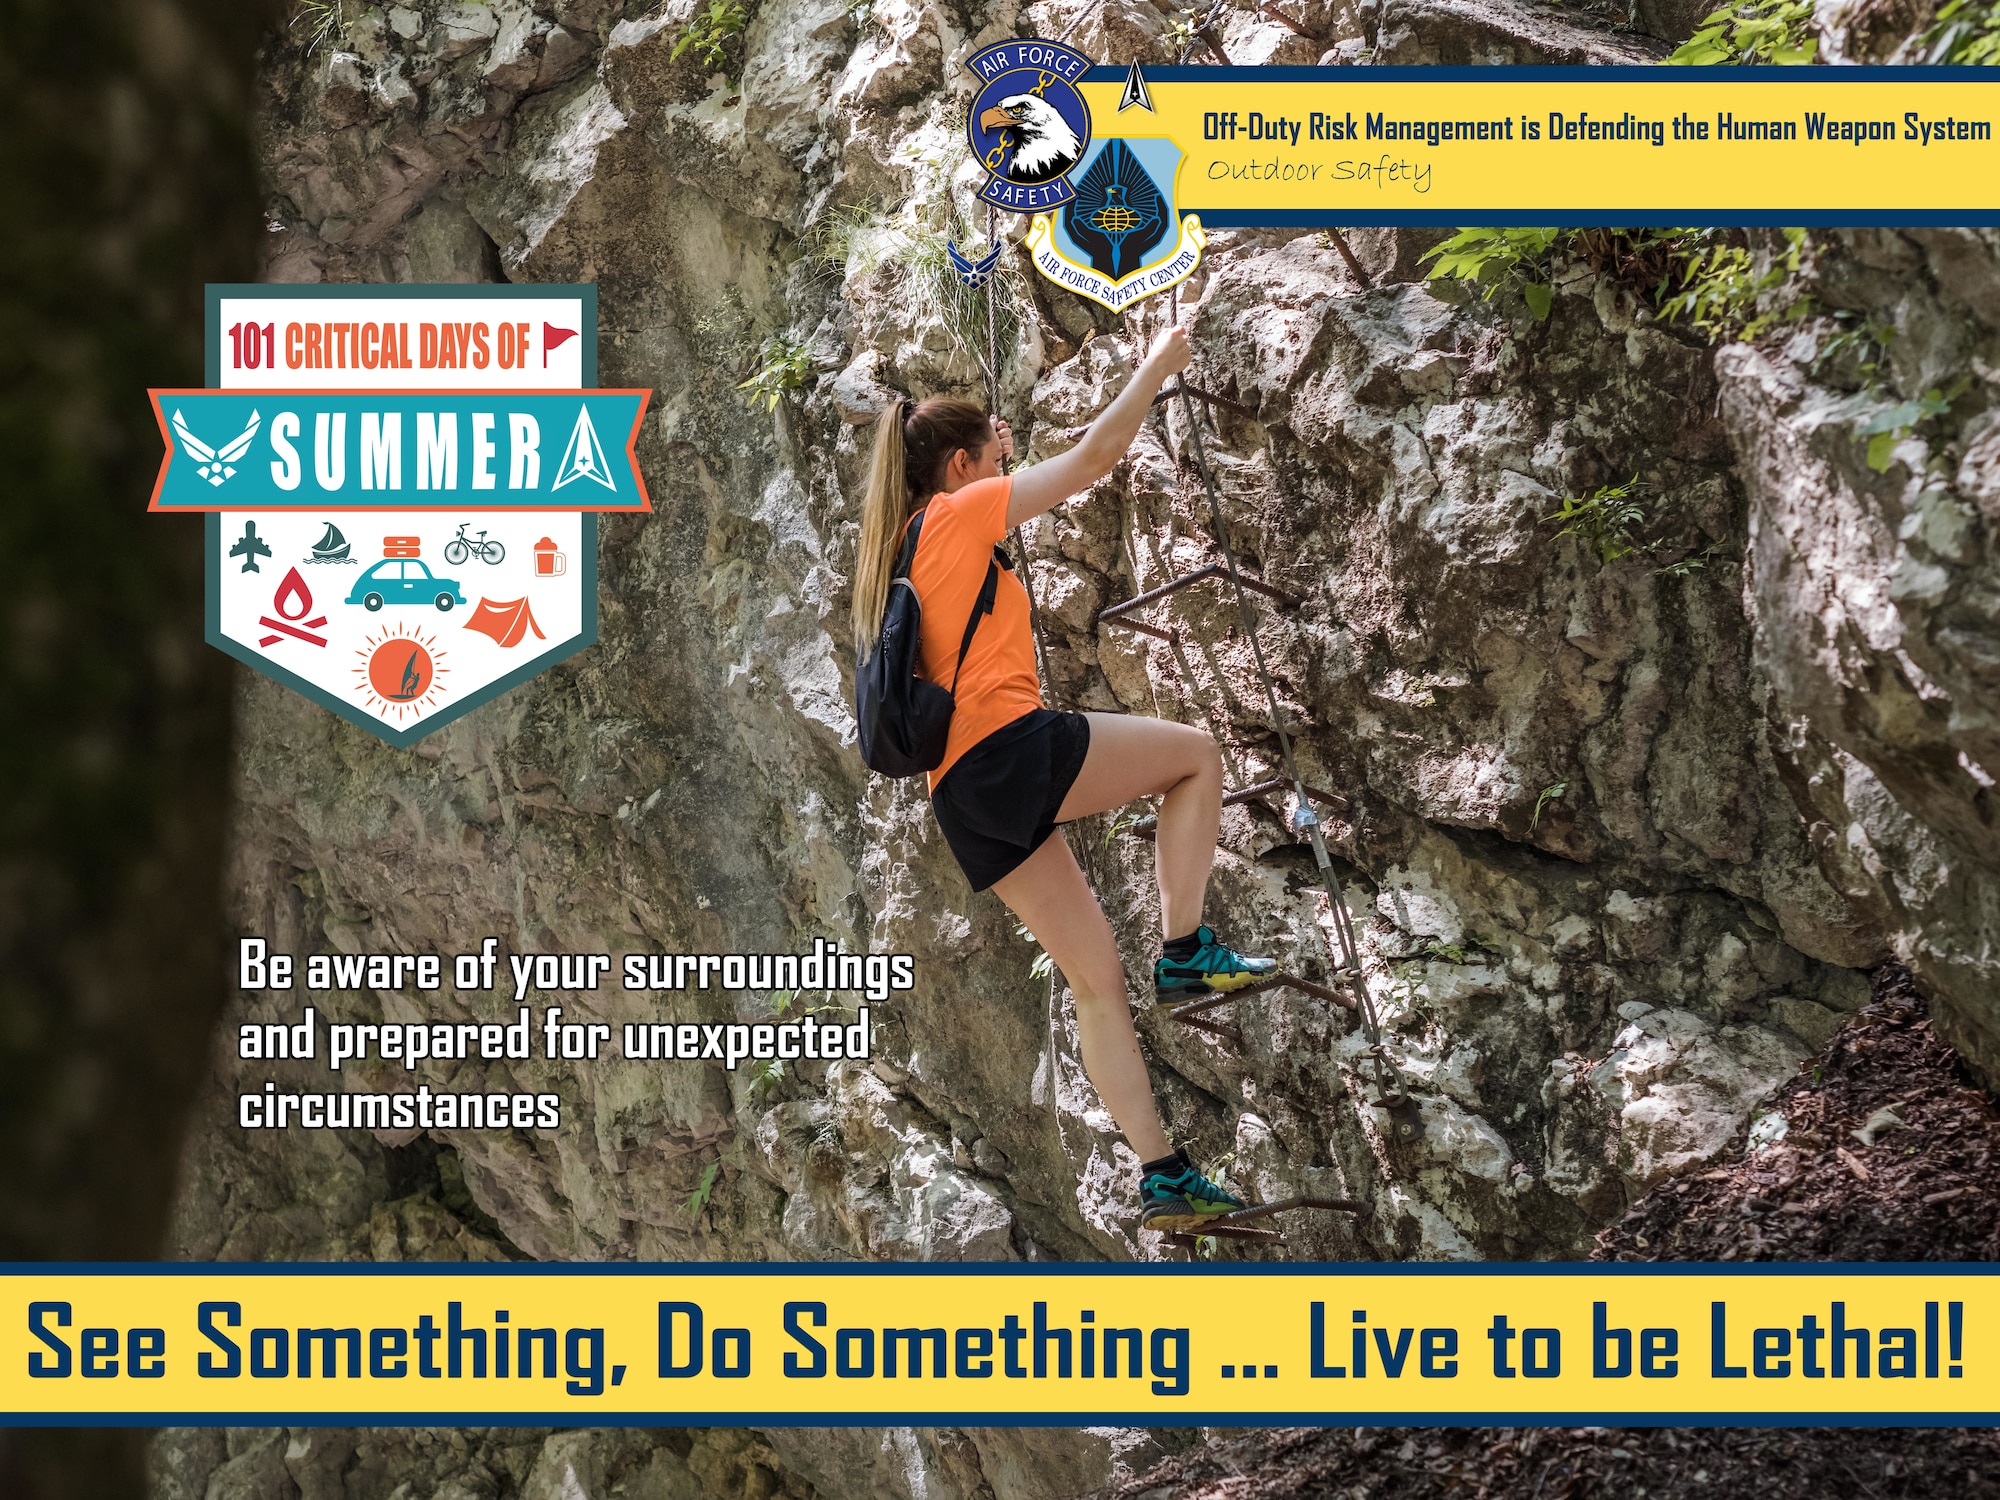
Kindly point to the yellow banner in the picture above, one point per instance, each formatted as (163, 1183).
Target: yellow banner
(1605, 145)
(1149, 1345)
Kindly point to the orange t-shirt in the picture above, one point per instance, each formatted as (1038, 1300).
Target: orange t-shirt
(998, 683)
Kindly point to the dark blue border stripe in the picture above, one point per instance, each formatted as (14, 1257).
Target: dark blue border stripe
(1335, 77)
(1638, 218)
(1609, 1269)
(581, 1416)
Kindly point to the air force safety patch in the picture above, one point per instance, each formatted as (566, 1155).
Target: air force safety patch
(1028, 125)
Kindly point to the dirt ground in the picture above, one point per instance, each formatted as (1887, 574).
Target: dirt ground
(1885, 1156)
(1918, 1187)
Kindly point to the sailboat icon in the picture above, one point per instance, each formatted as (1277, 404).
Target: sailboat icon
(331, 548)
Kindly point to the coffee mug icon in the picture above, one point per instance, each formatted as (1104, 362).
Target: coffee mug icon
(549, 563)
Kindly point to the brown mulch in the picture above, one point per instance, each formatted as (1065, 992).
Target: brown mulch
(1578, 1463)
(1921, 1191)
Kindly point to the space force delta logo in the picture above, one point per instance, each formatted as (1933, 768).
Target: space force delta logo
(400, 487)
(1105, 225)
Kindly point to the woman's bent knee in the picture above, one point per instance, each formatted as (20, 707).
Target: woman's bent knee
(1201, 756)
(1096, 995)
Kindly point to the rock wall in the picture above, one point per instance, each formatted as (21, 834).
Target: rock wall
(1875, 599)
(1619, 835)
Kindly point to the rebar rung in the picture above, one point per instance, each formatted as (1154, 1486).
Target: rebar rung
(1236, 1226)
(1219, 1028)
(1144, 827)
(1212, 399)
(1113, 614)
(1189, 1238)
(1277, 981)
(1286, 1205)
(1278, 784)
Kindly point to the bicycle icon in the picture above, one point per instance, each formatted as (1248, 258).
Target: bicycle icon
(460, 547)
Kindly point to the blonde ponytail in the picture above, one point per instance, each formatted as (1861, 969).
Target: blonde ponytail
(884, 509)
(912, 445)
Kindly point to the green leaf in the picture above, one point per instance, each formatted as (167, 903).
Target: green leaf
(1881, 451)
(1539, 299)
(1549, 794)
(1895, 419)
(703, 1191)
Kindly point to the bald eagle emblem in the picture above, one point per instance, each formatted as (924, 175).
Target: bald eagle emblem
(1028, 124)
(1044, 145)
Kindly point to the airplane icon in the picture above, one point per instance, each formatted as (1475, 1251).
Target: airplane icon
(250, 547)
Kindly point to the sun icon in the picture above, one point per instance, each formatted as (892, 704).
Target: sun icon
(399, 672)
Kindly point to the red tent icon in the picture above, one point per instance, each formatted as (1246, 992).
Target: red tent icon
(508, 621)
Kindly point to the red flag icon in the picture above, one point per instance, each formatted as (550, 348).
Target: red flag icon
(554, 338)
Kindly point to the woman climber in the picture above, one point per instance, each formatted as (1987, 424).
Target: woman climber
(1013, 770)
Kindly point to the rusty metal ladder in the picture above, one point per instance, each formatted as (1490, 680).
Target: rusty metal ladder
(1350, 989)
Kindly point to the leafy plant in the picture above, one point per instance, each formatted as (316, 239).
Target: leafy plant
(1549, 794)
(1758, 31)
(1605, 519)
(856, 241)
(1887, 428)
(1509, 256)
(703, 1191)
(1449, 953)
(1181, 30)
(1692, 563)
(787, 367)
(1964, 32)
(1862, 339)
(1043, 966)
(861, 13)
(708, 35)
(1724, 295)
(1688, 274)
(765, 1076)
(1124, 823)
(1644, 258)
(324, 22)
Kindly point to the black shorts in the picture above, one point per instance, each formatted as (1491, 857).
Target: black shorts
(998, 802)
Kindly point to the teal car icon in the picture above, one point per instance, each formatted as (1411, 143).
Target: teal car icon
(403, 580)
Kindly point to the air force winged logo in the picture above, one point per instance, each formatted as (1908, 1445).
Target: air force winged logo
(216, 464)
(973, 273)
(1028, 124)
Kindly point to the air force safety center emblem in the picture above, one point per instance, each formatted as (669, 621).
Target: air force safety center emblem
(1028, 125)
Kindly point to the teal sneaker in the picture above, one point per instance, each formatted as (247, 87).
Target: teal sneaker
(1179, 1197)
(1213, 968)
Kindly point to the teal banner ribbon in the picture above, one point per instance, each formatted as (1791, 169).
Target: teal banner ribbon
(400, 450)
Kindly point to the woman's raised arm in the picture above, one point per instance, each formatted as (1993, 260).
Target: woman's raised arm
(1042, 486)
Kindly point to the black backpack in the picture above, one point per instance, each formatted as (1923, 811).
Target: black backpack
(903, 719)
